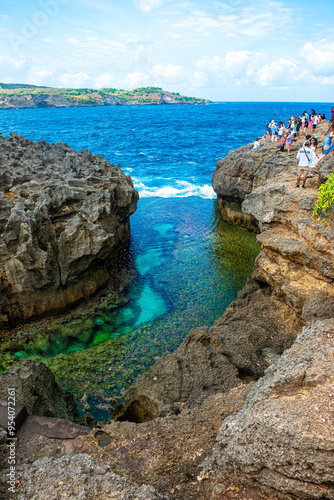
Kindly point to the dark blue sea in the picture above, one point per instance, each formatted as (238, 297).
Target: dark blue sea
(186, 264)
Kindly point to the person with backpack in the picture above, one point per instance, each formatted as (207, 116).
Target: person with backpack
(306, 158)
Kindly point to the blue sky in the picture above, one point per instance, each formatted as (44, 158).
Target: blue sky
(221, 50)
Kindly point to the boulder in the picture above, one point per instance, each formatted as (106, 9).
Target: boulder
(282, 439)
(36, 388)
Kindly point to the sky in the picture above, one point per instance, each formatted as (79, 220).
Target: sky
(232, 50)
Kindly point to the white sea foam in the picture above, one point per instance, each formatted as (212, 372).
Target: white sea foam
(184, 189)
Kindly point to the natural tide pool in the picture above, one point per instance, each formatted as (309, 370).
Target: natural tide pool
(183, 267)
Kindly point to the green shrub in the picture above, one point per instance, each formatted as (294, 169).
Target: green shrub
(324, 205)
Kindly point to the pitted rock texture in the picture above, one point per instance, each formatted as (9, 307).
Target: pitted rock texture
(36, 388)
(63, 214)
(166, 452)
(254, 330)
(78, 477)
(297, 257)
(283, 438)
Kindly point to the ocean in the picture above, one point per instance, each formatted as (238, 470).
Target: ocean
(185, 264)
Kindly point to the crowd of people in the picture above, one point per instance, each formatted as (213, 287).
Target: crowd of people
(304, 125)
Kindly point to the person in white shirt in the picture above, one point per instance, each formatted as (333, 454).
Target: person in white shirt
(306, 158)
(316, 120)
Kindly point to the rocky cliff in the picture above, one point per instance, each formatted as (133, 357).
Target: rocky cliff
(63, 215)
(263, 373)
(297, 257)
(291, 288)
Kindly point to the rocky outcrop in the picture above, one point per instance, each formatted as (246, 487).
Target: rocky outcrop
(297, 257)
(63, 215)
(36, 388)
(77, 476)
(283, 439)
(16, 97)
(291, 286)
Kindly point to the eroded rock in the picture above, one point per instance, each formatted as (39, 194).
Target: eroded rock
(283, 439)
(77, 476)
(252, 333)
(36, 388)
(63, 215)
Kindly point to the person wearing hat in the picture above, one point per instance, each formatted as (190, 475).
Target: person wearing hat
(306, 158)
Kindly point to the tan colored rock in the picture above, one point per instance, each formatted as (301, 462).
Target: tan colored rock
(283, 438)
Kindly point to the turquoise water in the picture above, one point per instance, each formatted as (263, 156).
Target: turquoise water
(184, 266)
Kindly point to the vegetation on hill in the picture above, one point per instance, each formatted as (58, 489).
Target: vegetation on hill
(19, 86)
(28, 96)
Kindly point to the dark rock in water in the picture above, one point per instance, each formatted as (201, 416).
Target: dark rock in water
(36, 388)
(283, 439)
(78, 476)
(88, 420)
(252, 333)
(63, 215)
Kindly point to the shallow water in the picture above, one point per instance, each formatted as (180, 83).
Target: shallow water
(185, 267)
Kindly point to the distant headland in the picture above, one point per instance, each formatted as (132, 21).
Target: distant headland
(15, 95)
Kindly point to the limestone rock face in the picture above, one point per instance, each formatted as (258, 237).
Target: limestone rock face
(77, 476)
(297, 257)
(63, 214)
(283, 438)
(36, 388)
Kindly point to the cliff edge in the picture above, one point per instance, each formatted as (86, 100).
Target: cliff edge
(63, 215)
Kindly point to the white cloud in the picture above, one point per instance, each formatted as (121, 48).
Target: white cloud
(148, 5)
(199, 79)
(167, 74)
(76, 80)
(233, 21)
(328, 80)
(319, 57)
(281, 72)
(104, 81)
(239, 64)
(135, 80)
(41, 77)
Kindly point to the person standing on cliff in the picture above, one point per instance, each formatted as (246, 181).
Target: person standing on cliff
(332, 115)
(306, 158)
(289, 141)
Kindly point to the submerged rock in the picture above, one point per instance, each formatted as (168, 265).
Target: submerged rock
(63, 215)
(36, 388)
(283, 439)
